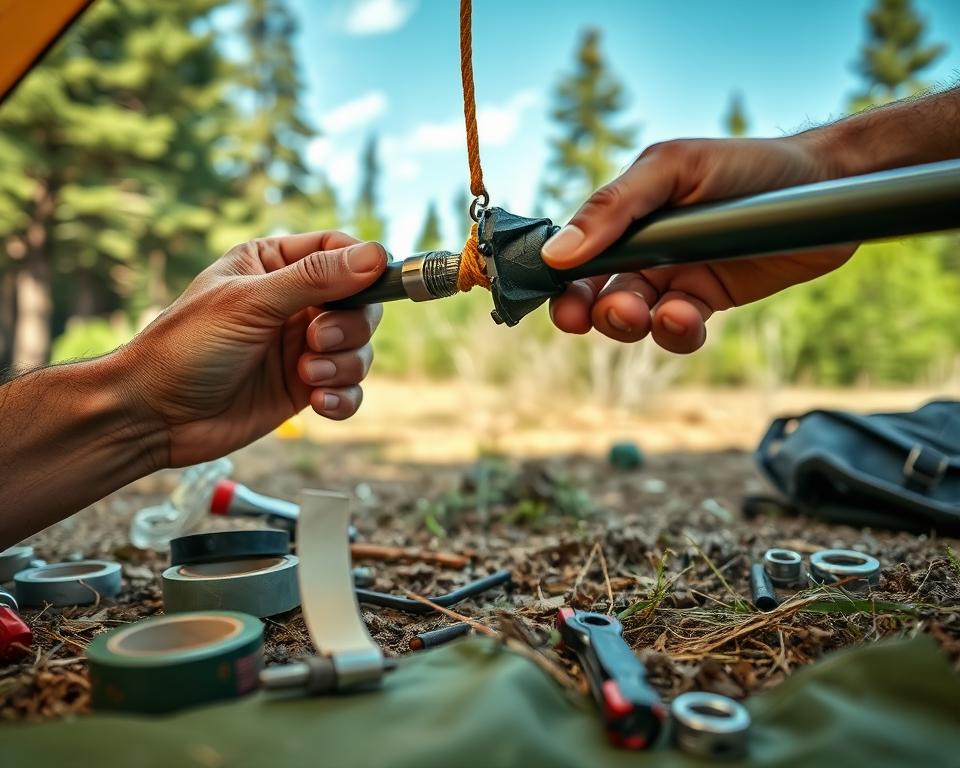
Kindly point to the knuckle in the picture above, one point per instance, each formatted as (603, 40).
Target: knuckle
(316, 269)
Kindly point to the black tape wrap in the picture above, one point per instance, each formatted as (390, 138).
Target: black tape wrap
(523, 281)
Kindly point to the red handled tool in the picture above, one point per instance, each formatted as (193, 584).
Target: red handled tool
(15, 635)
(631, 709)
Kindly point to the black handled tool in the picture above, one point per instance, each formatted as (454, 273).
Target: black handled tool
(906, 201)
(631, 709)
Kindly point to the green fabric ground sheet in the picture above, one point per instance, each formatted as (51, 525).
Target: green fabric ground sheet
(473, 704)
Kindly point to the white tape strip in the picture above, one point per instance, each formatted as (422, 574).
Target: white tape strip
(329, 604)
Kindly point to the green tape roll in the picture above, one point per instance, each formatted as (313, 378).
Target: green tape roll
(261, 586)
(171, 662)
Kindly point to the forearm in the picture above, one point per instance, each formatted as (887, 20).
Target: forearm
(910, 132)
(72, 434)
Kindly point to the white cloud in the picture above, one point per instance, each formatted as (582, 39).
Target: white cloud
(343, 170)
(497, 123)
(377, 17)
(318, 150)
(355, 113)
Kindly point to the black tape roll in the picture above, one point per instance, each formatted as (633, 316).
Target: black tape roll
(228, 545)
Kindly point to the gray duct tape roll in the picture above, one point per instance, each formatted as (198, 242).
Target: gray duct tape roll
(261, 586)
(77, 583)
(14, 560)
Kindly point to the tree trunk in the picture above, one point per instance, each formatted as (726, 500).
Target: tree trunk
(31, 344)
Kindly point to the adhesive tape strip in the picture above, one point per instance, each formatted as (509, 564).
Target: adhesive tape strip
(330, 606)
(76, 583)
(228, 545)
(262, 586)
(14, 560)
(171, 662)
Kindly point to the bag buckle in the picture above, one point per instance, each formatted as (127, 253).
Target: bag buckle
(925, 466)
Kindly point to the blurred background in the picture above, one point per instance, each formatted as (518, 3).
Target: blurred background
(156, 135)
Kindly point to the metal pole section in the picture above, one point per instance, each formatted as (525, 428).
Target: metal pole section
(896, 203)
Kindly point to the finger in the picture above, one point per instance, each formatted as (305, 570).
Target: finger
(320, 277)
(570, 311)
(336, 403)
(273, 253)
(652, 181)
(343, 329)
(679, 322)
(622, 311)
(338, 369)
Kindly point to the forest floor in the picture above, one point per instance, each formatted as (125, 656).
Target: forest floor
(668, 546)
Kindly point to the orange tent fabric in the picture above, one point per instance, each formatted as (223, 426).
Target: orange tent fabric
(27, 29)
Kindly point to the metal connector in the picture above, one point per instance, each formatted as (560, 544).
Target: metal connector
(431, 275)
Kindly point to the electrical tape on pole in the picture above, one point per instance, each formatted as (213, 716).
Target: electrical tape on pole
(262, 586)
(170, 662)
(76, 583)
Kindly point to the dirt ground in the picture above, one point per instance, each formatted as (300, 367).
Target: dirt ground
(666, 546)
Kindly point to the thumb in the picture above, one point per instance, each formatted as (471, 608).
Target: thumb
(323, 276)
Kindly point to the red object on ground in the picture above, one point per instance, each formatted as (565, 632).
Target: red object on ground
(222, 496)
(15, 635)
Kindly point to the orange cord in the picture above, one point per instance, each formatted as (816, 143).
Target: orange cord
(472, 268)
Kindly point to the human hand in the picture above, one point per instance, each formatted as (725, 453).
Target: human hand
(674, 303)
(248, 344)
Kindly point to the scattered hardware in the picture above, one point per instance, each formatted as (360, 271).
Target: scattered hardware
(625, 455)
(14, 560)
(363, 577)
(171, 662)
(15, 635)
(77, 583)
(263, 586)
(710, 725)
(348, 657)
(436, 637)
(236, 500)
(831, 565)
(784, 566)
(448, 600)
(761, 589)
(153, 527)
(399, 554)
(228, 545)
(631, 709)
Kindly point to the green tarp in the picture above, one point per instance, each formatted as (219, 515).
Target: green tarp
(473, 704)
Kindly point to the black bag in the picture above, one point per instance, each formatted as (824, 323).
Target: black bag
(893, 470)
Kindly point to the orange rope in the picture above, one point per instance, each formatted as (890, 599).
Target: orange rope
(470, 101)
(472, 266)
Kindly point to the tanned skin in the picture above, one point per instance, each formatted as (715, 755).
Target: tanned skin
(248, 344)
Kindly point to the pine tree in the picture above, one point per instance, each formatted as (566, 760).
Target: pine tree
(367, 222)
(431, 239)
(894, 54)
(585, 104)
(735, 121)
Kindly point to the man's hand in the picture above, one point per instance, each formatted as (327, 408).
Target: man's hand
(673, 303)
(248, 344)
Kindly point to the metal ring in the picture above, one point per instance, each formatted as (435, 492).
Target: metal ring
(783, 566)
(710, 725)
(480, 202)
(831, 565)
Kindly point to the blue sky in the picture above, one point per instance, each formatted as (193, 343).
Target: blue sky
(390, 67)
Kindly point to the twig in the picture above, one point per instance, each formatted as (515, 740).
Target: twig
(606, 577)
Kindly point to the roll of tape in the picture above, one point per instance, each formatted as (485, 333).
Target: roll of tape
(783, 566)
(171, 662)
(228, 545)
(14, 560)
(261, 587)
(76, 583)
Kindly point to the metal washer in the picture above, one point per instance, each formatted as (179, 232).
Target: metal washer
(783, 566)
(831, 565)
(710, 725)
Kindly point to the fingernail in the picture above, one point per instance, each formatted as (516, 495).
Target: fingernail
(672, 326)
(328, 336)
(321, 370)
(363, 257)
(561, 247)
(618, 322)
(330, 401)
